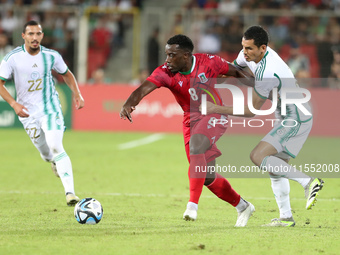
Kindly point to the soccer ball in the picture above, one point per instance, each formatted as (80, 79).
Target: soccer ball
(88, 211)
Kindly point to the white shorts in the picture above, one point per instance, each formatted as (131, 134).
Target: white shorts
(289, 139)
(36, 127)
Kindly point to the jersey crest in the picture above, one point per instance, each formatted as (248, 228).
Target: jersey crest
(202, 78)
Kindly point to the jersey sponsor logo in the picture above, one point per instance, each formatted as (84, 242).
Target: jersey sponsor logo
(180, 83)
(202, 78)
(35, 65)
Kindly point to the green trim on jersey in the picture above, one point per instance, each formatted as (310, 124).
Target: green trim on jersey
(259, 94)
(236, 64)
(44, 49)
(280, 85)
(49, 122)
(2, 78)
(265, 55)
(17, 50)
(58, 117)
(44, 87)
(64, 72)
(52, 84)
(260, 70)
(49, 50)
(192, 67)
(48, 85)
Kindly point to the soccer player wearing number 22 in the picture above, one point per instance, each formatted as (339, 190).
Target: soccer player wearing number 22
(187, 76)
(37, 104)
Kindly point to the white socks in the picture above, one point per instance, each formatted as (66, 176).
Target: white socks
(192, 206)
(281, 168)
(64, 168)
(280, 172)
(241, 206)
(281, 190)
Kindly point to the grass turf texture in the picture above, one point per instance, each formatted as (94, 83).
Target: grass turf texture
(144, 191)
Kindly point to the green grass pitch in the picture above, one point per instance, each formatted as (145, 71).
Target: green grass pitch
(144, 191)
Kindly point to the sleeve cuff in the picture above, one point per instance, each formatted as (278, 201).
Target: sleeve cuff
(236, 64)
(64, 72)
(263, 97)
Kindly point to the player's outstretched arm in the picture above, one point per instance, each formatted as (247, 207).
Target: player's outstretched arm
(136, 96)
(245, 77)
(19, 109)
(71, 81)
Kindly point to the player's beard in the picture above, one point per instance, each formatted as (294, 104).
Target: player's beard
(35, 49)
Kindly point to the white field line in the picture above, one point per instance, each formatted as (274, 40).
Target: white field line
(140, 142)
(146, 195)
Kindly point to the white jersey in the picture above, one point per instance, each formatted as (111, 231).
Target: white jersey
(33, 78)
(272, 72)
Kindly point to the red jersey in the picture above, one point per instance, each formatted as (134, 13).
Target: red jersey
(188, 87)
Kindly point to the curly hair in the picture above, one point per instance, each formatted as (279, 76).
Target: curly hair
(182, 41)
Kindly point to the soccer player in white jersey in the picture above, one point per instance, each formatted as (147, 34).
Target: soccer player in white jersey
(283, 142)
(37, 103)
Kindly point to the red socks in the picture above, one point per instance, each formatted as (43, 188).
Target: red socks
(196, 176)
(220, 186)
(222, 189)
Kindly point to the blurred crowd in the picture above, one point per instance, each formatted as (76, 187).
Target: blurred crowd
(50, 4)
(230, 6)
(60, 27)
(309, 44)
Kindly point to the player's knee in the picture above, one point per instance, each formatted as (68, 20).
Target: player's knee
(56, 148)
(196, 150)
(210, 177)
(256, 157)
(46, 157)
(198, 144)
(208, 181)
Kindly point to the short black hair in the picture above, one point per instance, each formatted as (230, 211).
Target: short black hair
(182, 41)
(30, 23)
(259, 34)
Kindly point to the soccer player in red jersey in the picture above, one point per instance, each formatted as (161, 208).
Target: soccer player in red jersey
(188, 75)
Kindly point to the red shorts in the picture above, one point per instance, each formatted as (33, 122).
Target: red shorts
(205, 127)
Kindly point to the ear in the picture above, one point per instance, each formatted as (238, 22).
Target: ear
(186, 54)
(263, 48)
(23, 36)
